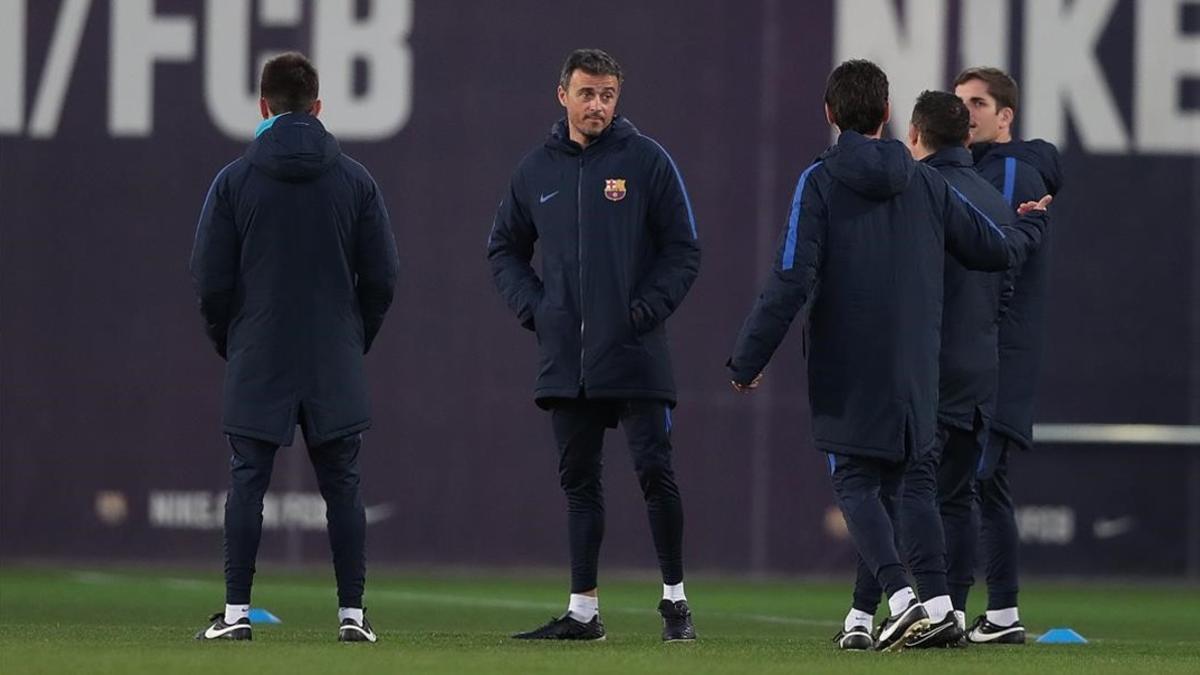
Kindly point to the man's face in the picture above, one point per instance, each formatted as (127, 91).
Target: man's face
(987, 123)
(591, 102)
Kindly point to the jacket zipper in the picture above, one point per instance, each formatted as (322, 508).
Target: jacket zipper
(579, 227)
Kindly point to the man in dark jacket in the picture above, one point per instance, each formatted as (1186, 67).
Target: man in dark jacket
(294, 263)
(869, 227)
(938, 137)
(608, 209)
(1019, 169)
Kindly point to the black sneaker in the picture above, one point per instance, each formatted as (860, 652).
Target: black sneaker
(219, 630)
(857, 639)
(566, 628)
(677, 621)
(353, 631)
(944, 633)
(895, 630)
(985, 632)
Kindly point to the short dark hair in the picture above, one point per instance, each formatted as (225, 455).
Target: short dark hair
(289, 83)
(592, 62)
(1000, 85)
(857, 95)
(942, 120)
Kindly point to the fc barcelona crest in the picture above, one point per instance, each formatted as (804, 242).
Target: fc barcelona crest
(614, 189)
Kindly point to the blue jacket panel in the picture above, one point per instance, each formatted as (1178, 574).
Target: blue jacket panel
(864, 251)
(1023, 171)
(970, 313)
(294, 264)
(619, 251)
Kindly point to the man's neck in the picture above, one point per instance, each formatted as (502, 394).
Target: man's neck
(579, 138)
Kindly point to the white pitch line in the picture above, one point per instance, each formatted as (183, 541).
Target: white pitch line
(1149, 434)
(502, 603)
(468, 601)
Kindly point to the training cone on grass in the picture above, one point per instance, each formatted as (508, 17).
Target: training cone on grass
(260, 615)
(1061, 636)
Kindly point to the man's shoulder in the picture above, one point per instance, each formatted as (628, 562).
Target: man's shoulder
(234, 168)
(536, 160)
(354, 168)
(648, 148)
(980, 193)
(926, 178)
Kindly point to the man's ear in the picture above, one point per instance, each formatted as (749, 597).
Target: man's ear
(829, 116)
(562, 96)
(914, 137)
(1006, 117)
(264, 108)
(315, 111)
(887, 113)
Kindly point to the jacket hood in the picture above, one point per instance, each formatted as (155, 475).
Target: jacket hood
(1037, 153)
(293, 147)
(560, 137)
(875, 169)
(958, 156)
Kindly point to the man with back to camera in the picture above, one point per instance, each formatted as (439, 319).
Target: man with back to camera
(608, 210)
(294, 263)
(870, 227)
(1018, 169)
(938, 137)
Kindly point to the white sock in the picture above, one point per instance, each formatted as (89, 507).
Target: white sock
(938, 608)
(235, 613)
(901, 599)
(858, 618)
(583, 607)
(673, 592)
(961, 617)
(355, 613)
(1003, 617)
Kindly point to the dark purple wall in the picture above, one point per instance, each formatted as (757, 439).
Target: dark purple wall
(109, 391)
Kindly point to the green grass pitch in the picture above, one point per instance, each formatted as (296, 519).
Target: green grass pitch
(133, 621)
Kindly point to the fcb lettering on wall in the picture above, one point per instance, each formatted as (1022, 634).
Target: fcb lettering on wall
(115, 115)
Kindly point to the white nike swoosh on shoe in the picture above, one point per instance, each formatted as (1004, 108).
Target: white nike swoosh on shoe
(212, 632)
(885, 635)
(370, 635)
(979, 636)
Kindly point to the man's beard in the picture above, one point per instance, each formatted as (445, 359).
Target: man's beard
(586, 130)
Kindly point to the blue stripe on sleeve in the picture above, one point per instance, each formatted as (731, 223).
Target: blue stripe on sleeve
(667, 409)
(789, 245)
(682, 187)
(832, 463)
(981, 213)
(1010, 178)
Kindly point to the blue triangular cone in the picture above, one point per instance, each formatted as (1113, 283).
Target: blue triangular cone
(1062, 636)
(260, 615)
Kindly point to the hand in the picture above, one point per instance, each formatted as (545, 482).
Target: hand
(640, 317)
(1039, 205)
(746, 388)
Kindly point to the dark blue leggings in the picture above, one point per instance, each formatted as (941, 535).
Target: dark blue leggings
(998, 535)
(579, 426)
(879, 514)
(336, 465)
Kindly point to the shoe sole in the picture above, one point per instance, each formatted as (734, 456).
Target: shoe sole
(689, 639)
(919, 626)
(942, 636)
